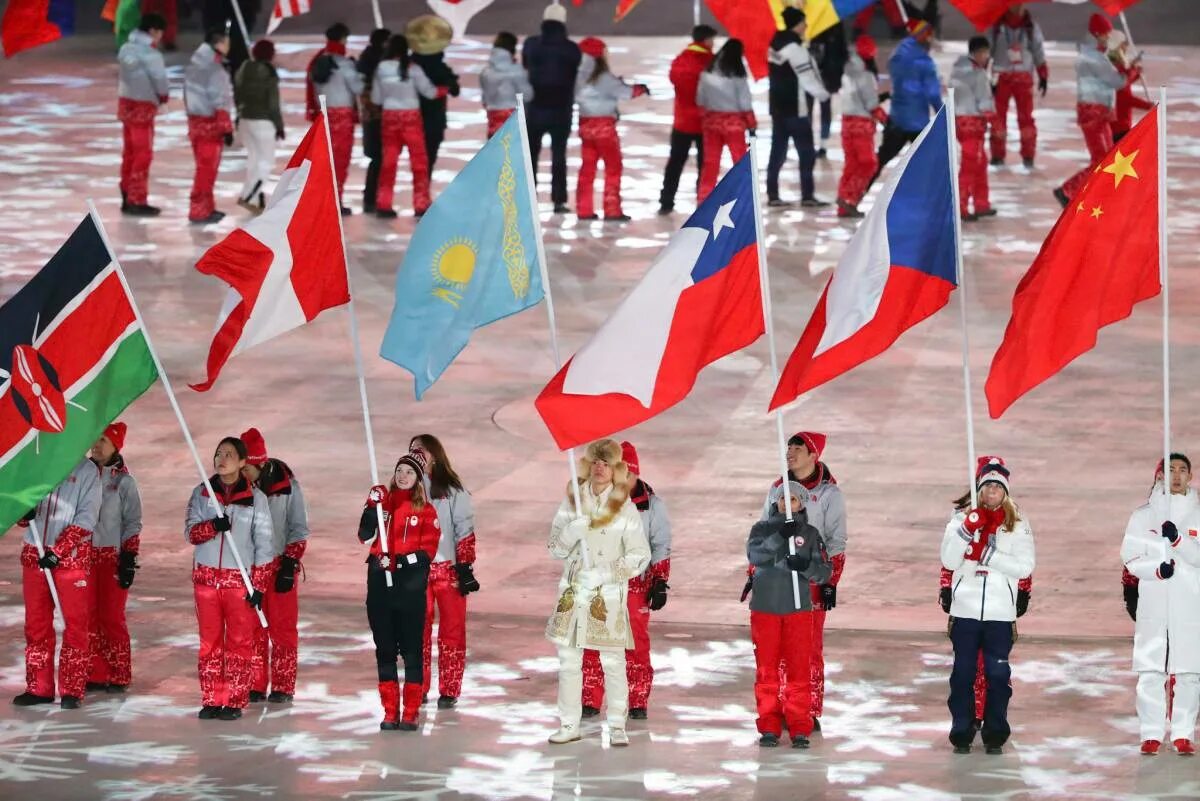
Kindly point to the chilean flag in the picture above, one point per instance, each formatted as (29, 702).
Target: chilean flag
(898, 269)
(285, 266)
(699, 301)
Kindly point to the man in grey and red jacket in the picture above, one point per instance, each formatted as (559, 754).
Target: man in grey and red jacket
(115, 547)
(1018, 53)
(63, 523)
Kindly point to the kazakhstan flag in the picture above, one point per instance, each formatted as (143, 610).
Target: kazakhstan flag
(472, 261)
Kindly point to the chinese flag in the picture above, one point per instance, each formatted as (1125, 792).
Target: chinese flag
(1100, 259)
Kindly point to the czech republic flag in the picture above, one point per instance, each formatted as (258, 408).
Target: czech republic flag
(898, 269)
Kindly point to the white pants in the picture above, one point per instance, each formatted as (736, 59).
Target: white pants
(570, 686)
(259, 139)
(1152, 705)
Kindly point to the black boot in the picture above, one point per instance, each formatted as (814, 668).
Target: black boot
(229, 713)
(69, 702)
(257, 697)
(447, 702)
(590, 711)
(29, 699)
(277, 697)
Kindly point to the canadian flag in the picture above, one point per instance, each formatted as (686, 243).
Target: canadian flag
(287, 265)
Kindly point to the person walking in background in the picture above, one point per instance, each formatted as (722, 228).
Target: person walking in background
(208, 94)
(916, 91)
(141, 89)
(396, 88)
(260, 121)
(862, 111)
(372, 115)
(829, 53)
(686, 127)
(792, 74)
(1018, 53)
(974, 108)
(333, 74)
(501, 81)
(552, 61)
(726, 111)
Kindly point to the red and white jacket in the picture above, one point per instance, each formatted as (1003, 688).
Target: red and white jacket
(657, 527)
(120, 523)
(410, 530)
(65, 520)
(250, 532)
(289, 511)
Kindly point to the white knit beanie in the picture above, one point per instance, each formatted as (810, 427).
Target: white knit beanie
(555, 12)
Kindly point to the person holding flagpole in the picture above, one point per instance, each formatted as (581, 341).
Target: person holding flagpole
(63, 523)
(225, 611)
(603, 546)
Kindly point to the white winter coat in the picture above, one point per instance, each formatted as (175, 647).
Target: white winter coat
(987, 589)
(1166, 635)
(207, 88)
(142, 73)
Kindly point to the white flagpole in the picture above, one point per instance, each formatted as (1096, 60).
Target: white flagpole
(241, 21)
(1166, 292)
(903, 11)
(541, 256)
(183, 426)
(1129, 39)
(37, 542)
(765, 291)
(378, 15)
(696, 12)
(358, 357)
(960, 273)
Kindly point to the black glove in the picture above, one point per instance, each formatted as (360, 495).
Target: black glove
(1043, 85)
(995, 86)
(798, 561)
(254, 599)
(1022, 602)
(1170, 532)
(280, 135)
(885, 96)
(49, 561)
(1130, 592)
(1166, 569)
(829, 596)
(749, 585)
(229, 139)
(222, 524)
(467, 583)
(30, 515)
(944, 597)
(368, 524)
(656, 598)
(126, 566)
(285, 577)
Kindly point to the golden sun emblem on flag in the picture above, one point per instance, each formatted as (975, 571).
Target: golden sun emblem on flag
(453, 266)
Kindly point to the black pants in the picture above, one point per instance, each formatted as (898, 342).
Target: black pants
(559, 131)
(826, 114)
(397, 618)
(798, 131)
(372, 134)
(681, 145)
(995, 638)
(894, 140)
(435, 132)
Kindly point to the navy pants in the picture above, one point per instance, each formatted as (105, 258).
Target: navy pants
(995, 638)
(797, 131)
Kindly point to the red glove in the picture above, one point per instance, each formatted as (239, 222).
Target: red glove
(442, 91)
(640, 89)
(376, 495)
(750, 120)
(975, 550)
(162, 100)
(880, 115)
(975, 520)
(1044, 72)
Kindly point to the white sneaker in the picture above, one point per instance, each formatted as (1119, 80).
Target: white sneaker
(565, 734)
(617, 738)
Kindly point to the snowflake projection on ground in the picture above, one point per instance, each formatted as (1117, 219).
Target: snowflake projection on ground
(719, 662)
(1090, 673)
(299, 745)
(356, 714)
(190, 788)
(44, 750)
(133, 706)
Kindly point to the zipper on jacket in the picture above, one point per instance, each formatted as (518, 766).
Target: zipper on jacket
(983, 600)
(954, 592)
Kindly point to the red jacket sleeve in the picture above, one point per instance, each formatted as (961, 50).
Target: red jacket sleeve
(296, 550)
(132, 545)
(69, 539)
(202, 532)
(464, 550)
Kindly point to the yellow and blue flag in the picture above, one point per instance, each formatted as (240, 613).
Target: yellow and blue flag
(472, 261)
(822, 15)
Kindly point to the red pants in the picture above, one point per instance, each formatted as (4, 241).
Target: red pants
(1094, 120)
(277, 645)
(1016, 86)
(452, 629)
(227, 625)
(858, 143)
(403, 129)
(787, 638)
(137, 135)
(110, 661)
(721, 130)
(496, 119)
(638, 671)
(341, 140)
(207, 136)
(972, 169)
(170, 12)
(600, 142)
(75, 596)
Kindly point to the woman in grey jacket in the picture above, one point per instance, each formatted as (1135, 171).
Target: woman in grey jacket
(208, 95)
(396, 87)
(727, 113)
(501, 81)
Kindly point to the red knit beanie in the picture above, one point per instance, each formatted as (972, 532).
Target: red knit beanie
(629, 457)
(1099, 25)
(592, 46)
(256, 447)
(812, 440)
(865, 47)
(115, 433)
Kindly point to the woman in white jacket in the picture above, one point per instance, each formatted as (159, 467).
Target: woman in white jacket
(1161, 549)
(396, 88)
(603, 548)
(989, 549)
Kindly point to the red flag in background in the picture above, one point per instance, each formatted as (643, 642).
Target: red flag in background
(623, 8)
(754, 22)
(27, 24)
(1100, 259)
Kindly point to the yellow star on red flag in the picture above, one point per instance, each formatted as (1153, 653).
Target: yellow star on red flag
(1122, 166)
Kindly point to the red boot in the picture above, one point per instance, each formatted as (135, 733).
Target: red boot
(389, 696)
(412, 706)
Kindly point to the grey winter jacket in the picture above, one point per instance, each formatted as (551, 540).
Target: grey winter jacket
(599, 98)
(256, 88)
(456, 518)
(344, 86)
(657, 526)
(723, 93)
(251, 531)
(1017, 49)
(289, 518)
(74, 502)
(502, 80)
(860, 89)
(767, 549)
(142, 73)
(1097, 78)
(206, 88)
(394, 93)
(972, 89)
(120, 511)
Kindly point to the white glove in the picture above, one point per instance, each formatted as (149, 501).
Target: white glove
(574, 531)
(593, 578)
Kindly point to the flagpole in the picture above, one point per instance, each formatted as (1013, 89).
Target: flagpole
(241, 21)
(695, 13)
(358, 357)
(162, 374)
(1166, 291)
(41, 551)
(378, 15)
(765, 290)
(961, 275)
(541, 256)
(1129, 39)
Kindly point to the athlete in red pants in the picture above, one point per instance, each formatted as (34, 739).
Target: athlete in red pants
(974, 108)
(860, 111)
(600, 142)
(209, 97)
(1016, 87)
(115, 546)
(403, 129)
(726, 112)
(1018, 53)
(721, 131)
(142, 89)
(1095, 120)
(63, 523)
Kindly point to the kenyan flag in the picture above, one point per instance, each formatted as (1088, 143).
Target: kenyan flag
(72, 357)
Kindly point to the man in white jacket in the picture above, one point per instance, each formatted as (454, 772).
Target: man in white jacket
(1162, 550)
(989, 549)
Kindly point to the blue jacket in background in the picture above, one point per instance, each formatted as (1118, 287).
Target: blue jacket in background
(552, 61)
(915, 87)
